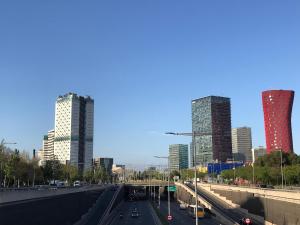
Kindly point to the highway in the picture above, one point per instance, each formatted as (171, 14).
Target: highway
(147, 217)
(221, 206)
(181, 217)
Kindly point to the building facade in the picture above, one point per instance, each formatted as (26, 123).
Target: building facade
(258, 152)
(178, 157)
(48, 146)
(119, 170)
(105, 163)
(74, 130)
(192, 163)
(241, 144)
(40, 156)
(212, 116)
(277, 106)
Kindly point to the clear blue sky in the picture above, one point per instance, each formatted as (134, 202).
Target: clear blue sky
(143, 62)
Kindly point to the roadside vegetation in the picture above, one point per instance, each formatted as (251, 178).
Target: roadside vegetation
(17, 169)
(267, 170)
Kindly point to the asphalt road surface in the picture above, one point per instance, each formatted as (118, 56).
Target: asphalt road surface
(181, 217)
(147, 215)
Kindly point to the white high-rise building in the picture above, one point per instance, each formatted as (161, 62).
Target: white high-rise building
(40, 156)
(74, 130)
(242, 144)
(48, 146)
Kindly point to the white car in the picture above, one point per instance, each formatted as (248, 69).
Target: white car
(182, 206)
(76, 183)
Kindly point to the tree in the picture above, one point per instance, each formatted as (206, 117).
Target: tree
(70, 173)
(292, 174)
(174, 173)
(11, 167)
(227, 174)
(187, 174)
(53, 170)
(88, 176)
(100, 175)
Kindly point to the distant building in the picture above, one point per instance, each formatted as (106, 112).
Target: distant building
(119, 170)
(277, 105)
(258, 152)
(48, 146)
(212, 116)
(178, 156)
(74, 130)
(105, 163)
(40, 156)
(242, 144)
(152, 168)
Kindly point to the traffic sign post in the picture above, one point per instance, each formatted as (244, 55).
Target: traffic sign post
(170, 217)
(172, 188)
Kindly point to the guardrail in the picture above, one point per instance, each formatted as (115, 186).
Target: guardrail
(286, 189)
(279, 194)
(44, 187)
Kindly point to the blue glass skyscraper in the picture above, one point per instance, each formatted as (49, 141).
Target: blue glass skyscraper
(212, 115)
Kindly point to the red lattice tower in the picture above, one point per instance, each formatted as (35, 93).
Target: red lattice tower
(277, 105)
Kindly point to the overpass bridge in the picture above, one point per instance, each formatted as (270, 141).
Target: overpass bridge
(149, 183)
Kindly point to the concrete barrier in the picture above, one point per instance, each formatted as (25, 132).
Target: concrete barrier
(219, 215)
(271, 206)
(277, 194)
(63, 209)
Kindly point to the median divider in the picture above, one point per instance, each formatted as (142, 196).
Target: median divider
(100, 211)
(117, 198)
(159, 215)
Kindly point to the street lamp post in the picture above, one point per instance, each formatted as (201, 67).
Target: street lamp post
(253, 160)
(281, 169)
(166, 157)
(193, 134)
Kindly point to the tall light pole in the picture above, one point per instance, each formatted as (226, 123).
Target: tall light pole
(166, 157)
(281, 168)
(253, 160)
(193, 134)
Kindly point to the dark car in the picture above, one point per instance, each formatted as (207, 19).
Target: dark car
(262, 186)
(134, 214)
